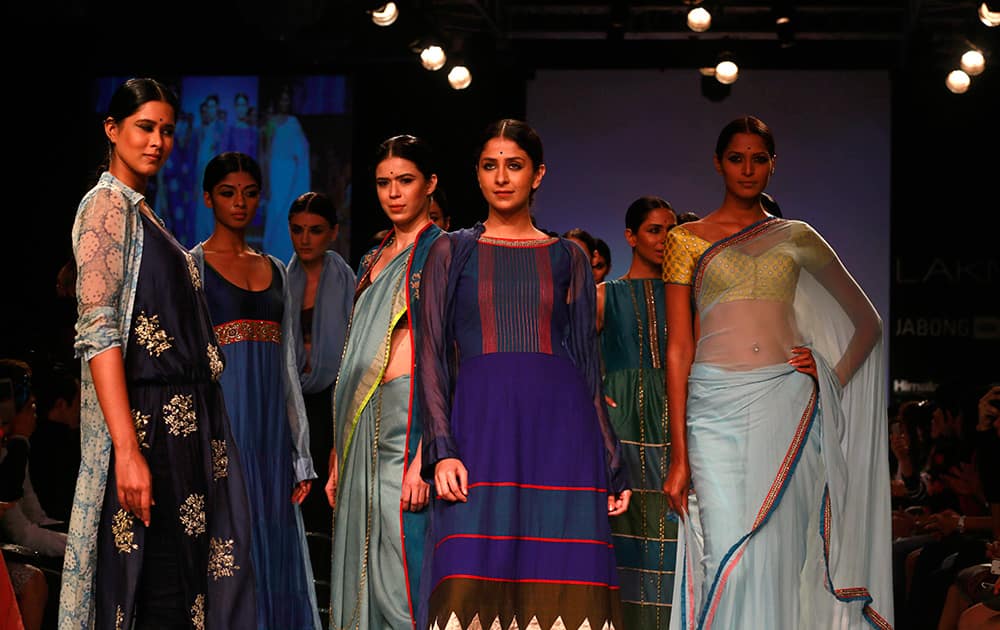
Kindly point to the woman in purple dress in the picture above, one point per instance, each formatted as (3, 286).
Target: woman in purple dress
(517, 442)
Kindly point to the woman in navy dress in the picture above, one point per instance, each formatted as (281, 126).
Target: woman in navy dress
(248, 299)
(525, 465)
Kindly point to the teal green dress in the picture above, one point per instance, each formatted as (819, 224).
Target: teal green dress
(633, 347)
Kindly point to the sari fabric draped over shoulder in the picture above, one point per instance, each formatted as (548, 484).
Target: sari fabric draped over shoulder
(789, 520)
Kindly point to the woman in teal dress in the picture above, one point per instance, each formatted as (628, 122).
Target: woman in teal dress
(631, 320)
(379, 499)
(776, 395)
(250, 304)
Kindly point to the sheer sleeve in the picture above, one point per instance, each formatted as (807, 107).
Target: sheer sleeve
(99, 249)
(433, 348)
(679, 257)
(583, 349)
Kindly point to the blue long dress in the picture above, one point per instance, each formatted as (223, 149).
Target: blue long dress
(248, 326)
(512, 324)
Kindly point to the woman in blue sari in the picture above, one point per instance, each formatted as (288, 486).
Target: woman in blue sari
(249, 301)
(776, 401)
(375, 487)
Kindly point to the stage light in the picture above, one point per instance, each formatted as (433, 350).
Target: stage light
(973, 62)
(989, 13)
(699, 19)
(957, 81)
(459, 77)
(726, 72)
(386, 14)
(432, 57)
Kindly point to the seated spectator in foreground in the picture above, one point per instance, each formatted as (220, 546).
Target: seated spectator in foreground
(55, 444)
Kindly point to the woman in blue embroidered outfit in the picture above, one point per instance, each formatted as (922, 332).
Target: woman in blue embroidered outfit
(375, 487)
(250, 304)
(777, 416)
(631, 313)
(160, 531)
(525, 463)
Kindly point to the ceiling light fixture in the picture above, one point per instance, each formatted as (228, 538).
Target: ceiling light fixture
(432, 57)
(385, 14)
(459, 77)
(973, 62)
(957, 81)
(699, 19)
(989, 14)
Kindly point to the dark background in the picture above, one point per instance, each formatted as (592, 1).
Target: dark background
(944, 318)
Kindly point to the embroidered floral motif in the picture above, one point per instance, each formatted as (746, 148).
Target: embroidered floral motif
(214, 361)
(150, 336)
(179, 415)
(121, 527)
(220, 460)
(141, 421)
(198, 612)
(193, 271)
(221, 562)
(192, 514)
(415, 285)
(248, 330)
(119, 618)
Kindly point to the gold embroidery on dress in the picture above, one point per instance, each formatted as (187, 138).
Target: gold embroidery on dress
(141, 421)
(192, 514)
(415, 285)
(119, 617)
(214, 361)
(193, 271)
(221, 562)
(121, 528)
(198, 612)
(220, 460)
(248, 330)
(150, 336)
(179, 415)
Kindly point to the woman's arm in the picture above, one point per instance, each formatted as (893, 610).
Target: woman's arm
(680, 355)
(135, 483)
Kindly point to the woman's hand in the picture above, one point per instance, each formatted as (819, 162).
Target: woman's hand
(301, 491)
(804, 362)
(134, 484)
(331, 486)
(451, 480)
(676, 487)
(618, 503)
(416, 492)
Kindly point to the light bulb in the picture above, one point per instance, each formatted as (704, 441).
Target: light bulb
(973, 62)
(957, 81)
(459, 77)
(433, 57)
(726, 72)
(386, 14)
(699, 19)
(987, 17)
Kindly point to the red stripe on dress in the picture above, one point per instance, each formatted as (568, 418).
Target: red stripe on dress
(487, 312)
(538, 486)
(248, 330)
(463, 576)
(576, 541)
(544, 269)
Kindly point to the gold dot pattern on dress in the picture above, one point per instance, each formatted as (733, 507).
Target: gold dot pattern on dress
(220, 460)
(221, 562)
(180, 416)
(683, 249)
(119, 618)
(150, 335)
(122, 528)
(192, 515)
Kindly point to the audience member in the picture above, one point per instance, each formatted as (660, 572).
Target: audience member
(55, 445)
(601, 264)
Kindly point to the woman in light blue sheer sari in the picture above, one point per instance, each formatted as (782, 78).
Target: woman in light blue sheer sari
(777, 417)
